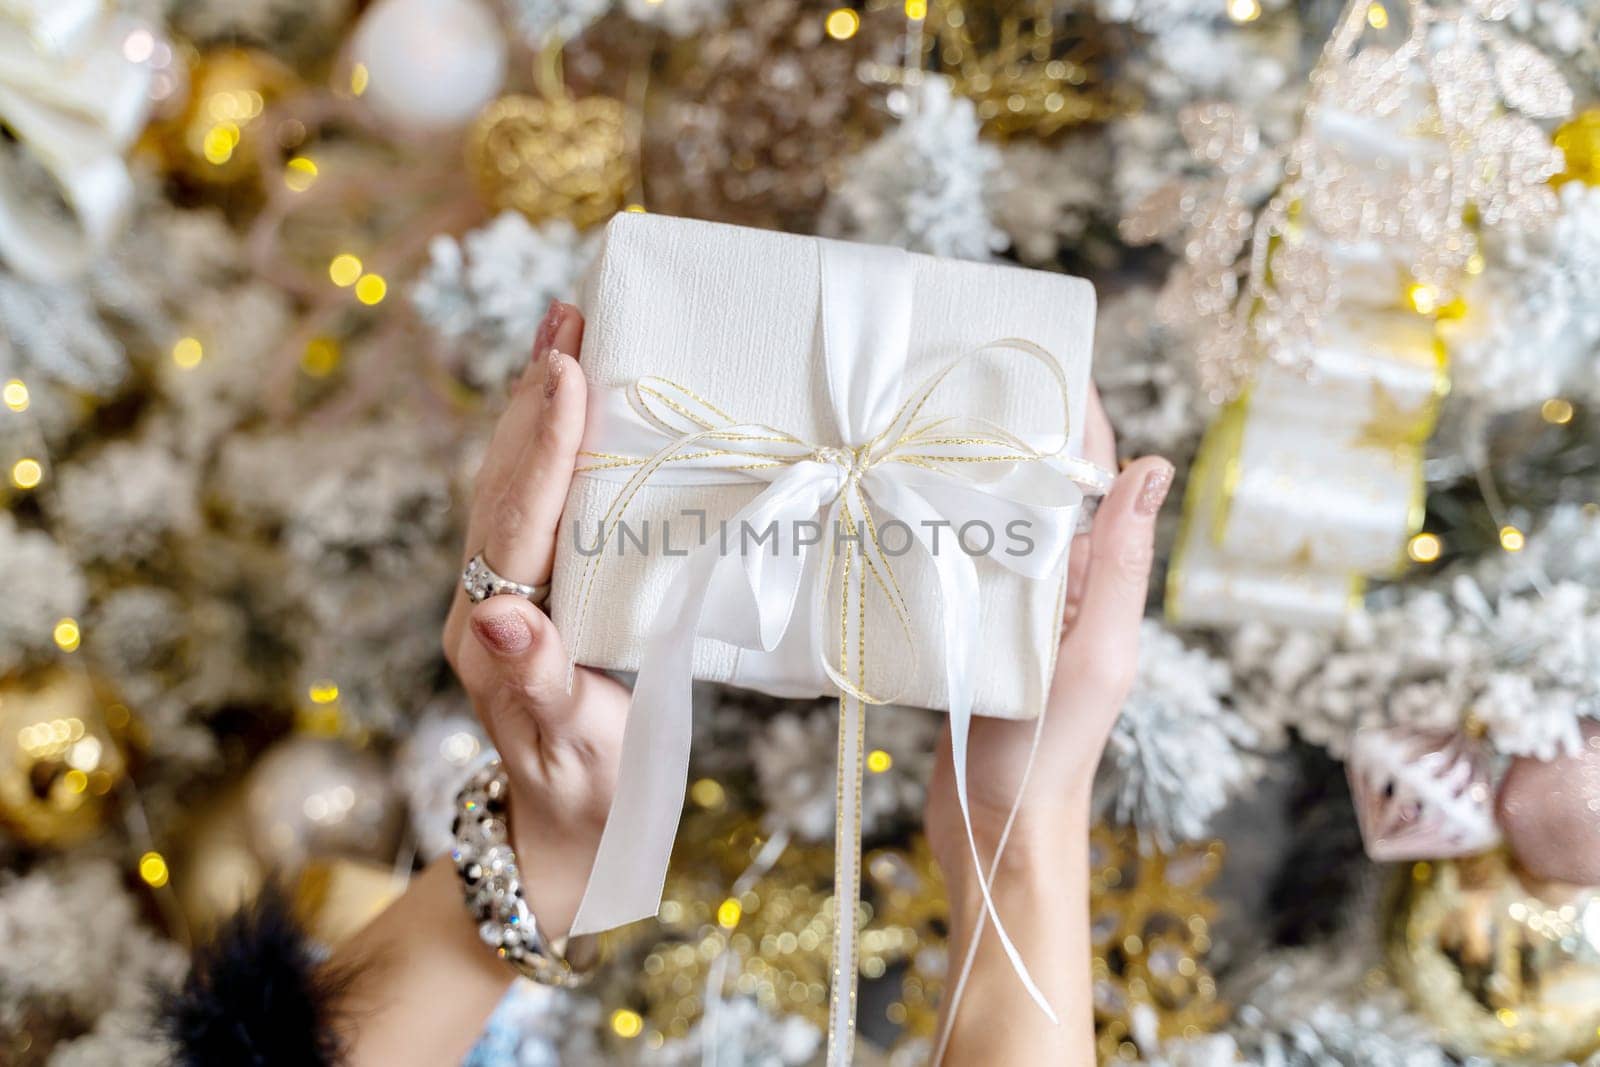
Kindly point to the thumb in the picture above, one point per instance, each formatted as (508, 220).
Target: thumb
(1100, 651)
(512, 654)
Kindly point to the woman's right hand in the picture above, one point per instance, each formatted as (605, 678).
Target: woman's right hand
(560, 749)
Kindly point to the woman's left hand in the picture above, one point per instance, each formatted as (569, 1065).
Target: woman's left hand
(1041, 888)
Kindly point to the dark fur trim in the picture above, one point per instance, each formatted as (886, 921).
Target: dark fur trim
(255, 996)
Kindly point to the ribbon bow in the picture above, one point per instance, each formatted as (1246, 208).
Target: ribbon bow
(893, 460)
(76, 100)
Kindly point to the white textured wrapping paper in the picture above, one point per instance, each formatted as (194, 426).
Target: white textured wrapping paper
(733, 315)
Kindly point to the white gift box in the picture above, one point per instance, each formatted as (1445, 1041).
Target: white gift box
(736, 317)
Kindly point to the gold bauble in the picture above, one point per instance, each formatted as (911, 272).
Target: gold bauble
(1579, 140)
(59, 755)
(211, 139)
(335, 898)
(215, 870)
(1503, 965)
(751, 121)
(1031, 68)
(552, 157)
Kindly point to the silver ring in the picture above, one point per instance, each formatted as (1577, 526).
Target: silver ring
(481, 582)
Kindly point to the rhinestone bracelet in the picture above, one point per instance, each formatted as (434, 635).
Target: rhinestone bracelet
(488, 870)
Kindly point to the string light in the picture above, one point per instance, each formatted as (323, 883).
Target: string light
(1512, 539)
(879, 761)
(324, 692)
(138, 46)
(153, 869)
(299, 173)
(187, 353)
(27, 473)
(1424, 548)
(1557, 411)
(916, 10)
(68, 635)
(626, 1023)
(1244, 10)
(321, 357)
(842, 23)
(344, 269)
(1377, 16)
(219, 143)
(359, 78)
(1423, 298)
(708, 793)
(729, 912)
(15, 395)
(371, 289)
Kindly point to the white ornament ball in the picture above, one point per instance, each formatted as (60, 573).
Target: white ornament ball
(318, 798)
(430, 64)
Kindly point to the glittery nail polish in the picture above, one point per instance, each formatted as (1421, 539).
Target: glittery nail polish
(547, 327)
(506, 634)
(1154, 491)
(554, 368)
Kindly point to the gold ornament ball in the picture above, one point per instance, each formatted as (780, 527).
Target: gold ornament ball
(216, 871)
(552, 158)
(59, 756)
(211, 138)
(1503, 965)
(1579, 141)
(336, 898)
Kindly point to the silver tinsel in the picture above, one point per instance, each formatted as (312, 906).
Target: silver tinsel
(1174, 758)
(1147, 384)
(240, 329)
(796, 752)
(1524, 665)
(1330, 1006)
(1565, 547)
(77, 951)
(42, 585)
(1051, 196)
(1531, 329)
(681, 18)
(741, 1034)
(487, 292)
(541, 21)
(54, 333)
(925, 185)
(122, 503)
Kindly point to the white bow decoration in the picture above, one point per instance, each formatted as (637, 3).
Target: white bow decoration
(75, 100)
(796, 608)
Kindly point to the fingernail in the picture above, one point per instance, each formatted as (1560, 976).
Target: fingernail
(1154, 491)
(554, 367)
(506, 634)
(547, 327)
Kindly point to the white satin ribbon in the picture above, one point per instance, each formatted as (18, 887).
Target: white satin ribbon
(892, 458)
(75, 102)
